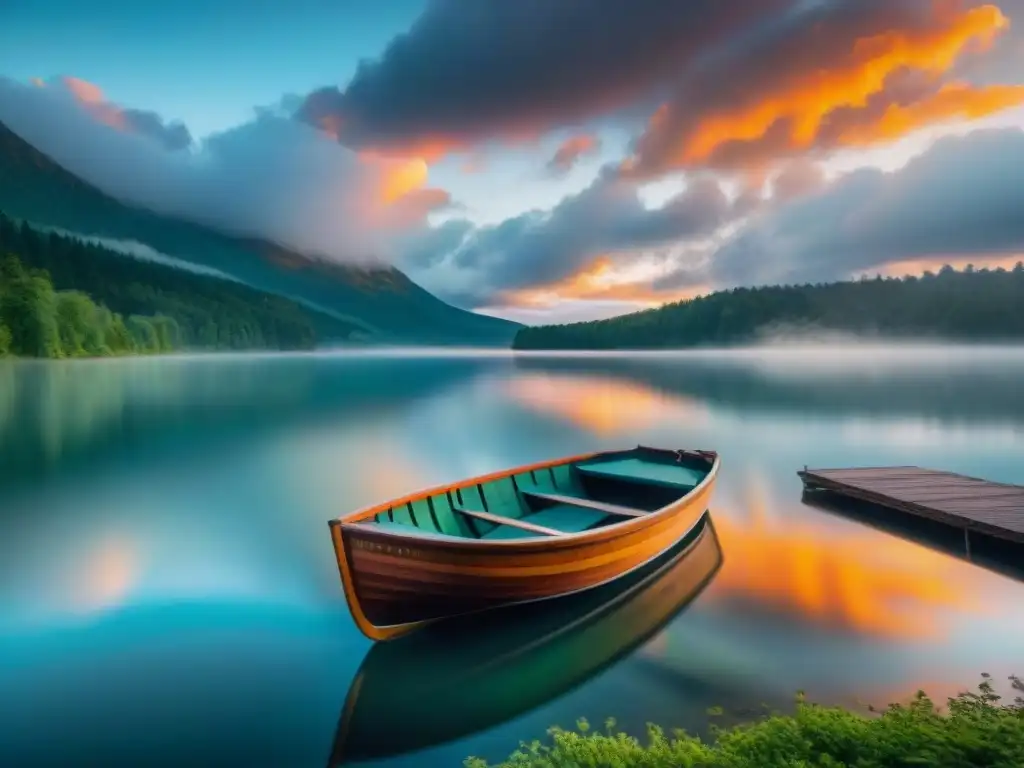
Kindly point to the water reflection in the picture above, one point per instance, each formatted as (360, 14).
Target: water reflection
(989, 553)
(846, 580)
(56, 414)
(948, 384)
(602, 405)
(464, 676)
(169, 596)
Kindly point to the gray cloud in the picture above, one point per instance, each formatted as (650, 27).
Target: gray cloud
(963, 197)
(797, 179)
(465, 71)
(272, 177)
(171, 135)
(537, 248)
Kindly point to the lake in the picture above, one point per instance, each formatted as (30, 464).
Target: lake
(169, 594)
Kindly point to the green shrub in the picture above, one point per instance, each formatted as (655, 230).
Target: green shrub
(976, 732)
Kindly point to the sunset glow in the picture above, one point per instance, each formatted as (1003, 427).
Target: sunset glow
(811, 98)
(606, 280)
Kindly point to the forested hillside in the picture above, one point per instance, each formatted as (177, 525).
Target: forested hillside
(206, 312)
(37, 321)
(382, 301)
(968, 305)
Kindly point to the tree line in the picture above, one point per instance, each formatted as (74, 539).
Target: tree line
(133, 305)
(38, 321)
(972, 304)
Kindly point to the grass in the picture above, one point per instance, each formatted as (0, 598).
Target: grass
(974, 731)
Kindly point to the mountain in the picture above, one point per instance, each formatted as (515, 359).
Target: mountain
(972, 305)
(382, 301)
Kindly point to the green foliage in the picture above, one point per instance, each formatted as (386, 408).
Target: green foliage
(36, 321)
(28, 308)
(976, 732)
(195, 311)
(968, 305)
(78, 323)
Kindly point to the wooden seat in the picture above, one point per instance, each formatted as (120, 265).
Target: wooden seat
(513, 522)
(599, 506)
(644, 472)
(561, 517)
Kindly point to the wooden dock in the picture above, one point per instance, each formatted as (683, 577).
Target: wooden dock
(969, 504)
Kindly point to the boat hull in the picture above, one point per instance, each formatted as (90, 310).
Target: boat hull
(520, 658)
(397, 583)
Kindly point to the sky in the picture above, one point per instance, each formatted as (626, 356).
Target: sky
(548, 160)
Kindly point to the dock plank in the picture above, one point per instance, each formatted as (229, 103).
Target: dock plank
(969, 503)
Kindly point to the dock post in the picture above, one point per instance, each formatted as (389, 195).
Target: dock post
(967, 543)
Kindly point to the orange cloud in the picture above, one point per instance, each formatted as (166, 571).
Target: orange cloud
(402, 198)
(807, 103)
(401, 178)
(952, 101)
(601, 280)
(91, 98)
(571, 150)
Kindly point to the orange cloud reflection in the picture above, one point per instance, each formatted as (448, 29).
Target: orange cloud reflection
(603, 406)
(858, 580)
(108, 576)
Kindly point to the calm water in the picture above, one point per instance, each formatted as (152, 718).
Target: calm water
(168, 593)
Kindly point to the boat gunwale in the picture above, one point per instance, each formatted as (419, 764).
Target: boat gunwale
(349, 521)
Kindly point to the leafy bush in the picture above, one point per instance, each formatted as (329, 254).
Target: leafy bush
(976, 732)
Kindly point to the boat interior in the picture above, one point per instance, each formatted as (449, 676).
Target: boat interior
(555, 501)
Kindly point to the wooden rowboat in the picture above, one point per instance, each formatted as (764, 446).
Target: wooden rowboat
(530, 533)
(520, 658)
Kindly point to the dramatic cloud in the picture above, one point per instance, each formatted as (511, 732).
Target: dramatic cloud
(571, 150)
(739, 83)
(960, 200)
(844, 74)
(272, 177)
(469, 71)
(477, 267)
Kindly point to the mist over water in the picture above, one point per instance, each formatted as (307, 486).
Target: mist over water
(168, 591)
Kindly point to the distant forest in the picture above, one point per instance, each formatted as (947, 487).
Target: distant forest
(984, 305)
(62, 297)
(37, 321)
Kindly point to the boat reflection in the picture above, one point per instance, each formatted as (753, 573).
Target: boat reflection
(466, 675)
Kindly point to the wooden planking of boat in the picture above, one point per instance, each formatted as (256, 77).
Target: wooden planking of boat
(520, 658)
(525, 534)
